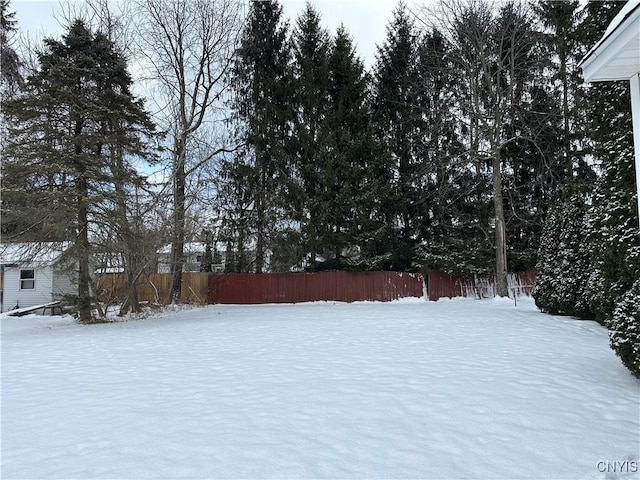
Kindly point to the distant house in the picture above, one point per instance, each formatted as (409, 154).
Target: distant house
(33, 274)
(194, 256)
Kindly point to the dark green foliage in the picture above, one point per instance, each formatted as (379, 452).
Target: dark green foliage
(351, 188)
(624, 329)
(73, 133)
(207, 259)
(562, 271)
(10, 63)
(562, 37)
(613, 230)
(613, 221)
(312, 178)
(400, 128)
(607, 279)
(262, 84)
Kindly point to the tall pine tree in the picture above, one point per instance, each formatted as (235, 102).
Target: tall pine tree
(311, 176)
(262, 84)
(399, 123)
(351, 188)
(10, 76)
(74, 112)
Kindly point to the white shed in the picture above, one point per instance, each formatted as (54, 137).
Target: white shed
(617, 57)
(33, 274)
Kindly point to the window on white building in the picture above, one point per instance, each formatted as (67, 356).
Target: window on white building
(27, 279)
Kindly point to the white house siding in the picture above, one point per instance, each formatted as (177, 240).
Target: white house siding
(62, 285)
(27, 298)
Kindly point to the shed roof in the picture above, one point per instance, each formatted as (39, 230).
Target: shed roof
(35, 253)
(617, 55)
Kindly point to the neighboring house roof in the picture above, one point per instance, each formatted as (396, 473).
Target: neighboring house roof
(192, 247)
(617, 55)
(35, 253)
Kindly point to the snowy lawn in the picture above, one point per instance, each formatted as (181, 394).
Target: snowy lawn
(453, 389)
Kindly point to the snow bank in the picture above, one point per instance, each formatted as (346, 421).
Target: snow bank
(451, 389)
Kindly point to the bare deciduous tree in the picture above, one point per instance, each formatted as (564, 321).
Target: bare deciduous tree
(494, 54)
(189, 46)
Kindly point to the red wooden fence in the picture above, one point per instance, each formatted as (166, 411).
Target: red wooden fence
(441, 285)
(248, 288)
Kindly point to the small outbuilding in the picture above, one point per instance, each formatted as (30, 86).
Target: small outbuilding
(617, 57)
(34, 274)
(194, 258)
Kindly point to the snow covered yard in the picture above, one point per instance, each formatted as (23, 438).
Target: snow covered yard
(453, 389)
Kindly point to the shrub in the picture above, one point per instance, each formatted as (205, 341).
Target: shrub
(624, 329)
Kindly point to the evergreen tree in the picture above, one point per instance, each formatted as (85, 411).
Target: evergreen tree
(262, 84)
(563, 260)
(310, 139)
(608, 284)
(399, 124)
(351, 191)
(450, 209)
(10, 76)
(612, 230)
(624, 329)
(76, 110)
(564, 39)
(613, 235)
(234, 206)
(534, 168)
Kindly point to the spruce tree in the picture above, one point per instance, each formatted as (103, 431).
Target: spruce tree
(10, 76)
(75, 111)
(449, 239)
(262, 94)
(566, 46)
(310, 139)
(351, 189)
(399, 125)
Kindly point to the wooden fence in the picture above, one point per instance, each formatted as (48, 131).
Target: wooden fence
(154, 287)
(441, 285)
(308, 287)
(248, 288)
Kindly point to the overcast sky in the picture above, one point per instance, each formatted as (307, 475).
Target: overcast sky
(366, 20)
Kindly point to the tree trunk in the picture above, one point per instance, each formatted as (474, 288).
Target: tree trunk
(82, 241)
(261, 217)
(131, 302)
(84, 280)
(565, 114)
(177, 244)
(128, 240)
(501, 235)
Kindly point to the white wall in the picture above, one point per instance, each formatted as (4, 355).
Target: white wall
(62, 285)
(26, 298)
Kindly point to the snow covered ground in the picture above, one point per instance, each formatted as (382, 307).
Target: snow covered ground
(410, 389)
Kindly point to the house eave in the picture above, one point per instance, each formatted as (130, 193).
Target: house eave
(616, 56)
